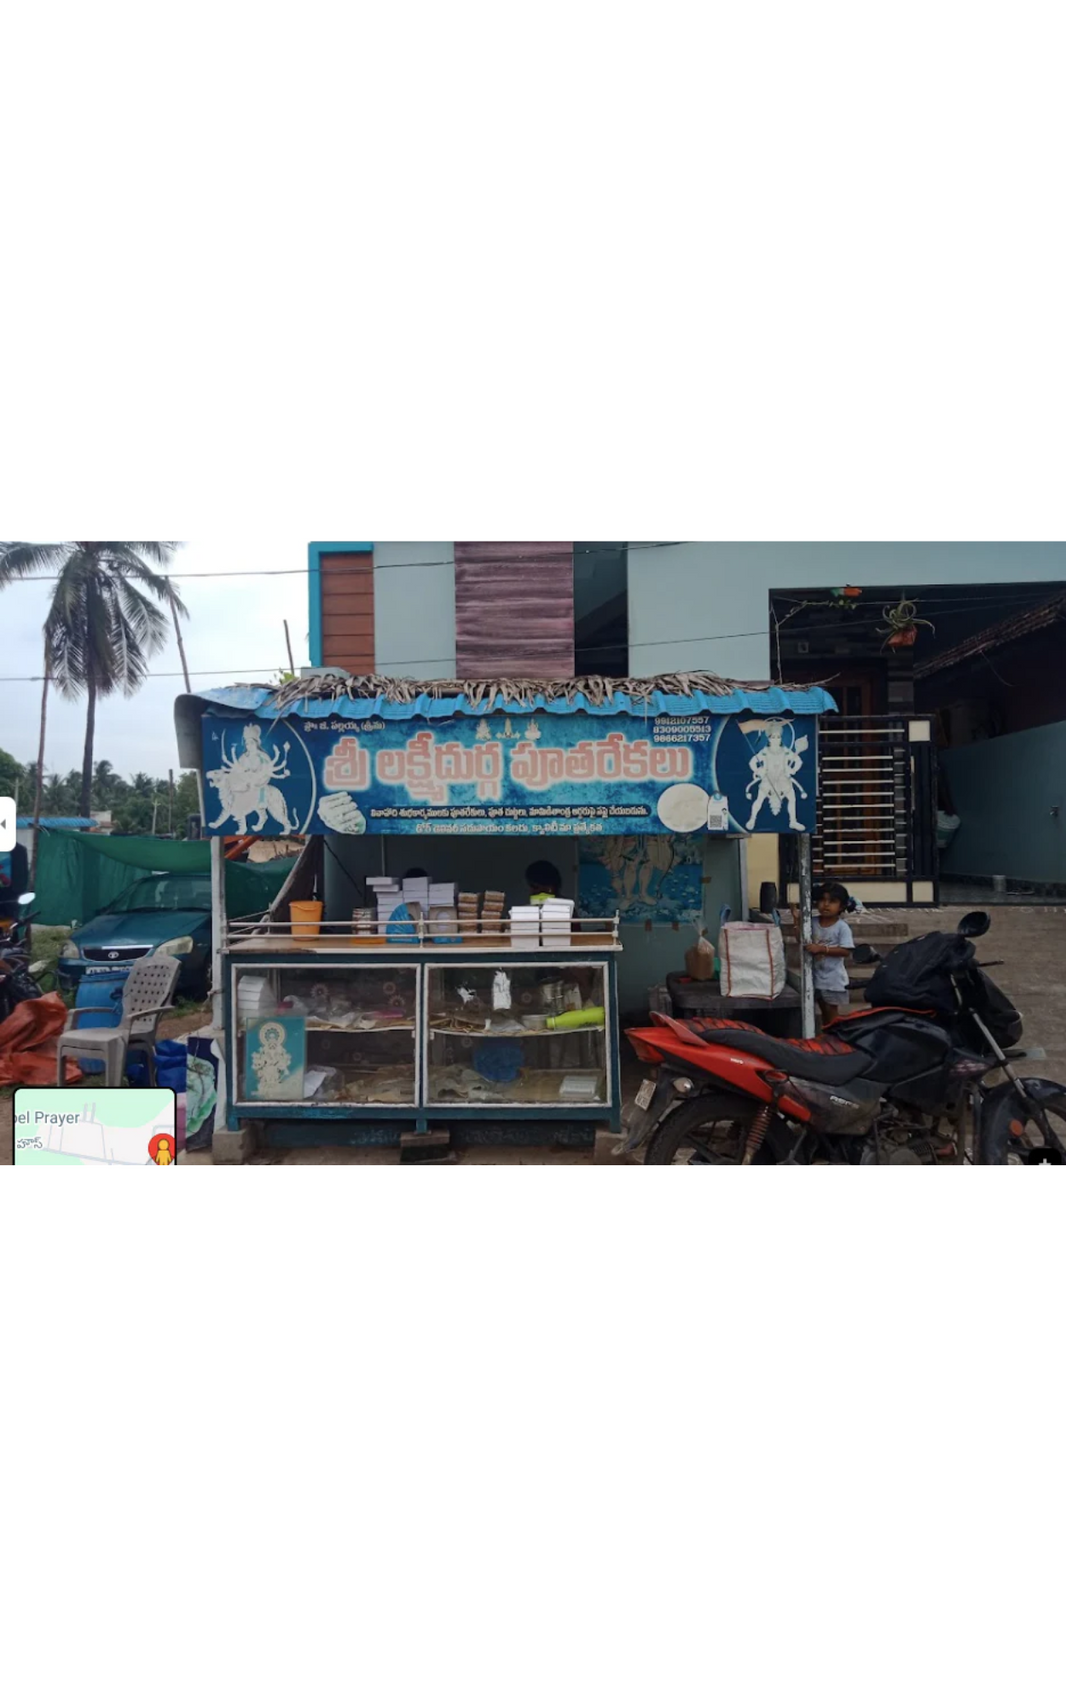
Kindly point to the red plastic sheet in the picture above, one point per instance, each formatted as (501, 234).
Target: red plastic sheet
(28, 1043)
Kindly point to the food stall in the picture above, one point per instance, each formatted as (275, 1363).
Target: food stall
(383, 995)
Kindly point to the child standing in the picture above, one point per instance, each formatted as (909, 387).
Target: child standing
(830, 948)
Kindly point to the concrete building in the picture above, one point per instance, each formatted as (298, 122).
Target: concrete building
(868, 620)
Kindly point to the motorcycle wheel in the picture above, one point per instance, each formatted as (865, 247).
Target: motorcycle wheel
(708, 1131)
(1024, 1133)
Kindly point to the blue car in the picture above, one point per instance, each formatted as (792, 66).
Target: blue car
(162, 913)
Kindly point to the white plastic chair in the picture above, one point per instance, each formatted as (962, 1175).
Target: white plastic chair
(145, 995)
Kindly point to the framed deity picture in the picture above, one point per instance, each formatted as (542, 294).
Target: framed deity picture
(275, 1054)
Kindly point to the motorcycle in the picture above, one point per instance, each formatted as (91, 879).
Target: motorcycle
(900, 1082)
(18, 979)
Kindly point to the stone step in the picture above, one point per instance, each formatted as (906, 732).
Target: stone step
(867, 927)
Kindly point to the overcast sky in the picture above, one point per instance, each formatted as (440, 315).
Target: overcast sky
(234, 634)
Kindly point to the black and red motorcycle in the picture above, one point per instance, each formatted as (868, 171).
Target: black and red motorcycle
(904, 1081)
(18, 979)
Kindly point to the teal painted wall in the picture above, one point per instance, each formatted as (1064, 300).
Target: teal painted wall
(703, 606)
(1005, 792)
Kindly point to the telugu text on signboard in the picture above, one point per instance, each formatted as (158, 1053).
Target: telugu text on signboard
(510, 775)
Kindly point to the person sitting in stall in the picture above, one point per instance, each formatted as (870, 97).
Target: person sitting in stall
(412, 876)
(544, 882)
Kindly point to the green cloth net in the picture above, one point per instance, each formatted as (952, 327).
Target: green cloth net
(79, 875)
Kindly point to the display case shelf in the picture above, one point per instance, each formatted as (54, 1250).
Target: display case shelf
(509, 1064)
(380, 1068)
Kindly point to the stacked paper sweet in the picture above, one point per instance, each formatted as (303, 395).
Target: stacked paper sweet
(468, 907)
(416, 892)
(363, 921)
(525, 926)
(492, 912)
(442, 894)
(556, 918)
(255, 998)
(386, 892)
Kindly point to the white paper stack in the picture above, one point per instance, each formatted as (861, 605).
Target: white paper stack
(416, 892)
(525, 926)
(556, 917)
(387, 894)
(442, 894)
(579, 1087)
(254, 997)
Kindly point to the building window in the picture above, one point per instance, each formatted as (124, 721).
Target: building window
(601, 609)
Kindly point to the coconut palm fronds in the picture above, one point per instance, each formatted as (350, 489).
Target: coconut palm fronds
(521, 691)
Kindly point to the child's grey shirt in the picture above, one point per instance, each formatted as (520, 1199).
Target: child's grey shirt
(831, 973)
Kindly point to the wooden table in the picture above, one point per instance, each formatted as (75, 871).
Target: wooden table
(780, 1015)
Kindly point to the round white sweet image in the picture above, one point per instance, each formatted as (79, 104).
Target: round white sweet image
(683, 808)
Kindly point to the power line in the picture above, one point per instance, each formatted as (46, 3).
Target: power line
(410, 663)
(1038, 592)
(173, 573)
(164, 674)
(632, 646)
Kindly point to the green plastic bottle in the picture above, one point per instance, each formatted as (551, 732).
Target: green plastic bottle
(576, 1019)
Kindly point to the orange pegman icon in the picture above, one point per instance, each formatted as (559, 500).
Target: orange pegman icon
(161, 1149)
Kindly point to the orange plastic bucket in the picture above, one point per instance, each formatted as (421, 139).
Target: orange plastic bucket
(305, 916)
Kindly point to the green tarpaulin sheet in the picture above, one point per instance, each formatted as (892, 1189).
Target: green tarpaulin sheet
(80, 875)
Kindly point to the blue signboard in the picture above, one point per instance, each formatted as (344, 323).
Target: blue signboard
(516, 774)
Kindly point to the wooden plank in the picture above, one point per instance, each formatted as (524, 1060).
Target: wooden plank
(347, 562)
(348, 627)
(348, 611)
(348, 603)
(346, 656)
(514, 608)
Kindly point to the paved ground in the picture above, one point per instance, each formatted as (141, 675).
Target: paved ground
(1031, 941)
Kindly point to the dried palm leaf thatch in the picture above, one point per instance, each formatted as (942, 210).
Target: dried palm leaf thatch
(483, 695)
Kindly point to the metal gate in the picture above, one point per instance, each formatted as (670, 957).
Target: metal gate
(876, 808)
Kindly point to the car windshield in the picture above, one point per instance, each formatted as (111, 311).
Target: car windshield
(166, 894)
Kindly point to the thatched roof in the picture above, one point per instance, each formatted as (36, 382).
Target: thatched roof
(595, 689)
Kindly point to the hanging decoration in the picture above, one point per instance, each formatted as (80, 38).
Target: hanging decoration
(901, 625)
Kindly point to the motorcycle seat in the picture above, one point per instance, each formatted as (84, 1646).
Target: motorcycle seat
(823, 1060)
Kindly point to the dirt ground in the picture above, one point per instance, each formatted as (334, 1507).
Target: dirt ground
(1030, 940)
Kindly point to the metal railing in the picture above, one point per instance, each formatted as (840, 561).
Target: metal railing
(342, 933)
(876, 819)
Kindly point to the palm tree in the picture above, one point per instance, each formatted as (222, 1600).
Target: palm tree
(104, 780)
(102, 626)
(56, 796)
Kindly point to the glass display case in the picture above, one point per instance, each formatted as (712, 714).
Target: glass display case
(514, 1035)
(326, 1035)
(345, 1033)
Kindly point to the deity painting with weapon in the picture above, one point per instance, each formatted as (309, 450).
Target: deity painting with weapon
(773, 771)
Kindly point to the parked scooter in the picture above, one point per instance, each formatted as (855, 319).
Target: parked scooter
(902, 1082)
(18, 979)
